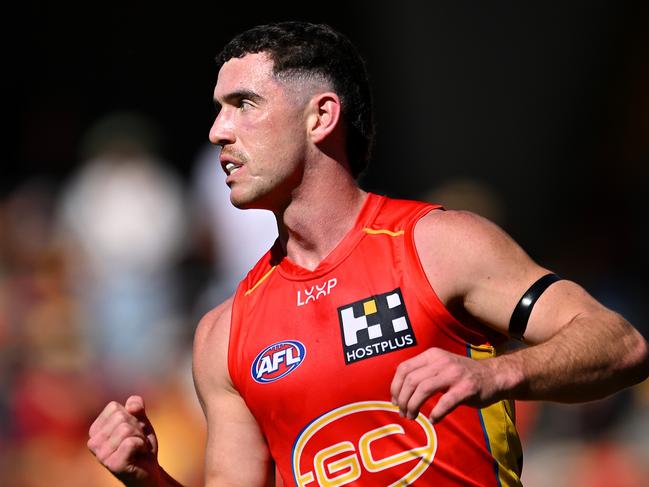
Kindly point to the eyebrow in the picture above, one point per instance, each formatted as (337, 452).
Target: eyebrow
(238, 95)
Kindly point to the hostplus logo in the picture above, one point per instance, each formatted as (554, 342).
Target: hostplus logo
(374, 326)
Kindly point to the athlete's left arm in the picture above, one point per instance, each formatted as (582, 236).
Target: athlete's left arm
(580, 350)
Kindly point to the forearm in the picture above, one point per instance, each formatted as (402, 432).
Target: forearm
(589, 358)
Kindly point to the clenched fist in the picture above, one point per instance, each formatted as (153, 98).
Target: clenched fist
(123, 440)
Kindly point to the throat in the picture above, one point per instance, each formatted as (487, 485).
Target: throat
(308, 250)
(309, 238)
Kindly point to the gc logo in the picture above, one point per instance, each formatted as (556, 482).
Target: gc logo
(396, 453)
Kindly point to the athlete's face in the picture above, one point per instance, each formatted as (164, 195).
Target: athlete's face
(262, 133)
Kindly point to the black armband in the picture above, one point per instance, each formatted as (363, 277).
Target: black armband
(522, 311)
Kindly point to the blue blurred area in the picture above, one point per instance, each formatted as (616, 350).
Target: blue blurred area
(114, 238)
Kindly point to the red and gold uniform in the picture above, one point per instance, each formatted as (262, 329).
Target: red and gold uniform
(313, 354)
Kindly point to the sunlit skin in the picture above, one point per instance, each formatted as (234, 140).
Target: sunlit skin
(261, 128)
(286, 140)
(285, 136)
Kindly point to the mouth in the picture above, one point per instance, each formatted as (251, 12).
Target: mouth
(229, 164)
(230, 168)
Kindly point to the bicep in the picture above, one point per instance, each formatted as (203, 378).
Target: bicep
(560, 305)
(236, 452)
(470, 260)
(507, 274)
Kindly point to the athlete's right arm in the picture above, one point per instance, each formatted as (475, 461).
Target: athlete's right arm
(236, 452)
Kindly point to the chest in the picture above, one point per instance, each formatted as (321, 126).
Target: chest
(333, 339)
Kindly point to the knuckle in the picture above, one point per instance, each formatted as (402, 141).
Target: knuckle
(114, 465)
(92, 445)
(122, 417)
(472, 385)
(121, 414)
(427, 387)
(443, 404)
(453, 374)
(413, 400)
(124, 429)
(409, 381)
(455, 397)
(112, 406)
(132, 444)
(102, 453)
(434, 353)
(446, 360)
(456, 367)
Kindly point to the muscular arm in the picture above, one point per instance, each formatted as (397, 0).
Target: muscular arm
(236, 452)
(579, 350)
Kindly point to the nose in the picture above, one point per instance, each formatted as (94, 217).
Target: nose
(222, 131)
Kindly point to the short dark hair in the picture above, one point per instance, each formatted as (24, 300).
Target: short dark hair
(302, 47)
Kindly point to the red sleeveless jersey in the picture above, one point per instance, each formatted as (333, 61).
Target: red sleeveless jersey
(313, 354)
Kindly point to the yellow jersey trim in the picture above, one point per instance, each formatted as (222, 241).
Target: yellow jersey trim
(263, 278)
(382, 231)
(498, 422)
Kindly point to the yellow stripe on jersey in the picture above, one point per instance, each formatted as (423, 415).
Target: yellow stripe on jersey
(263, 278)
(498, 423)
(382, 231)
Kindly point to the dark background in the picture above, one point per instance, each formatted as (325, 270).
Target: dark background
(546, 104)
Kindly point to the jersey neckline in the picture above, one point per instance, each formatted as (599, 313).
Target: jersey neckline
(340, 252)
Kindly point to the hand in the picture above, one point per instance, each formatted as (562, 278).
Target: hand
(461, 380)
(123, 440)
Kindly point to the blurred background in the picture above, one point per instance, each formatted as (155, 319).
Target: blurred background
(116, 234)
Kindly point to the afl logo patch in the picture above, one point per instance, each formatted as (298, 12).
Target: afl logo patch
(277, 361)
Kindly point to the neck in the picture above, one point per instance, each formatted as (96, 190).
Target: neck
(320, 213)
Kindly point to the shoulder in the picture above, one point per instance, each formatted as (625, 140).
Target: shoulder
(457, 226)
(215, 319)
(464, 254)
(210, 354)
(215, 322)
(462, 240)
(466, 236)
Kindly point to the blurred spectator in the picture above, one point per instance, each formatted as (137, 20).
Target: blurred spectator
(471, 195)
(47, 387)
(232, 240)
(91, 308)
(123, 220)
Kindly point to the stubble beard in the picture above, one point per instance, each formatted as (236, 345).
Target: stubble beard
(271, 192)
(250, 193)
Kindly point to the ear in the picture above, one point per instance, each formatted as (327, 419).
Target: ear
(324, 116)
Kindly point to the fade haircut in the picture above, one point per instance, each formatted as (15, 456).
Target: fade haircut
(316, 50)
